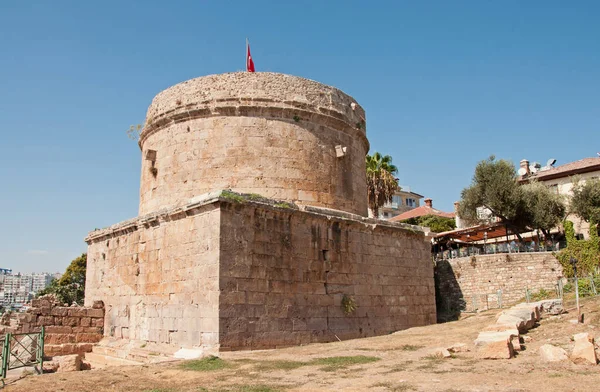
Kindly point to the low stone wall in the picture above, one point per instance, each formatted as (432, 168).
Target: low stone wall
(485, 281)
(68, 329)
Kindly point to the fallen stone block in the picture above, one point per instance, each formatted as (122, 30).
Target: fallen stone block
(68, 363)
(513, 322)
(550, 353)
(495, 345)
(583, 336)
(526, 314)
(584, 351)
(552, 306)
(50, 367)
(534, 307)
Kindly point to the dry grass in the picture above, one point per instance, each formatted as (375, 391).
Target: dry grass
(336, 367)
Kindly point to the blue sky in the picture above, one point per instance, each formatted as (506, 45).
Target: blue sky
(444, 83)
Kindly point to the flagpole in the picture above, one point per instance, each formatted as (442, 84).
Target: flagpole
(246, 55)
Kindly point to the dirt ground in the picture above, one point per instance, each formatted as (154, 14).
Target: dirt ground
(396, 362)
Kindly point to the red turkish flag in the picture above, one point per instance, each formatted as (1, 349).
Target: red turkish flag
(249, 62)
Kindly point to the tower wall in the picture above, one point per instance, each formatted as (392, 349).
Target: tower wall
(264, 133)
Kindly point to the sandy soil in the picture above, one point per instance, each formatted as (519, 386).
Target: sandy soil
(404, 364)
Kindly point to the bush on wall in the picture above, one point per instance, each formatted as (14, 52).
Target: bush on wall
(586, 252)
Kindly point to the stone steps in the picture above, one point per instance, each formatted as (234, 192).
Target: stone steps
(106, 355)
(98, 361)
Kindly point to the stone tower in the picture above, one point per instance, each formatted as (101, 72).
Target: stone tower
(252, 228)
(264, 133)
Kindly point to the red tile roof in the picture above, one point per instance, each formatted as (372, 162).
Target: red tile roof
(421, 211)
(568, 169)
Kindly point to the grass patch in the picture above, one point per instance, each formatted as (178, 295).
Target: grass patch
(243, 388)
(207, 364)
(159, 390)
(410, 347)
(332, 364)
(279, 365)
(395, 387)
(402, 367)
(232, 196)
(255, 196)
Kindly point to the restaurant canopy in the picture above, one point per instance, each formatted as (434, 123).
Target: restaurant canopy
(474, 234)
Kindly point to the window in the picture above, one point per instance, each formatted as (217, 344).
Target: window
(554, 188)
(411, 202)
(396, 201)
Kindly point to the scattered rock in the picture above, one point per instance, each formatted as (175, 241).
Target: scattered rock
(68, 363)
(550, 353)
(527, 339)
(584, 352)
(574, 321)
(552, 306)
(495, 345)
(458, 348)
(50, 366)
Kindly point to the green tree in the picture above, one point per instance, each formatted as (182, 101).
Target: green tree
(381, 181)
(544, 208)
(521, 208)
(586, 200)
(71, 285)
(437, 224)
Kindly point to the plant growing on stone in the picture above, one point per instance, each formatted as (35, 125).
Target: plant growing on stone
(586, 252)
(134, 132)
(348, 304)
(381, 181)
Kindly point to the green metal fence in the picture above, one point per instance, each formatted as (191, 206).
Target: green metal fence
(22, 350)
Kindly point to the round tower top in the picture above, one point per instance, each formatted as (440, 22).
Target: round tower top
(265, 89)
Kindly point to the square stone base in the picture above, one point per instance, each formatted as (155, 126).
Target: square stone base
(225, 272)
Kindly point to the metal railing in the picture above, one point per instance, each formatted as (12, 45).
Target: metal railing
(490, 249)
(22, 350)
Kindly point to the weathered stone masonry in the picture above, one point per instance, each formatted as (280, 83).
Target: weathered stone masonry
(69, 329)
(236, 275)
(472, 283)
(210, 270)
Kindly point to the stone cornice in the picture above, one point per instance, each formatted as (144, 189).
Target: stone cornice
(290, 111)
(196, 204)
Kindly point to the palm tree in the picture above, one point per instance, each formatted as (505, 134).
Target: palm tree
(381, 183)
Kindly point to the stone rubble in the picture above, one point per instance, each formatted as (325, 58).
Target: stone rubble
(458, 348)
(584, 350)
(550, 353)
(502, 340)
